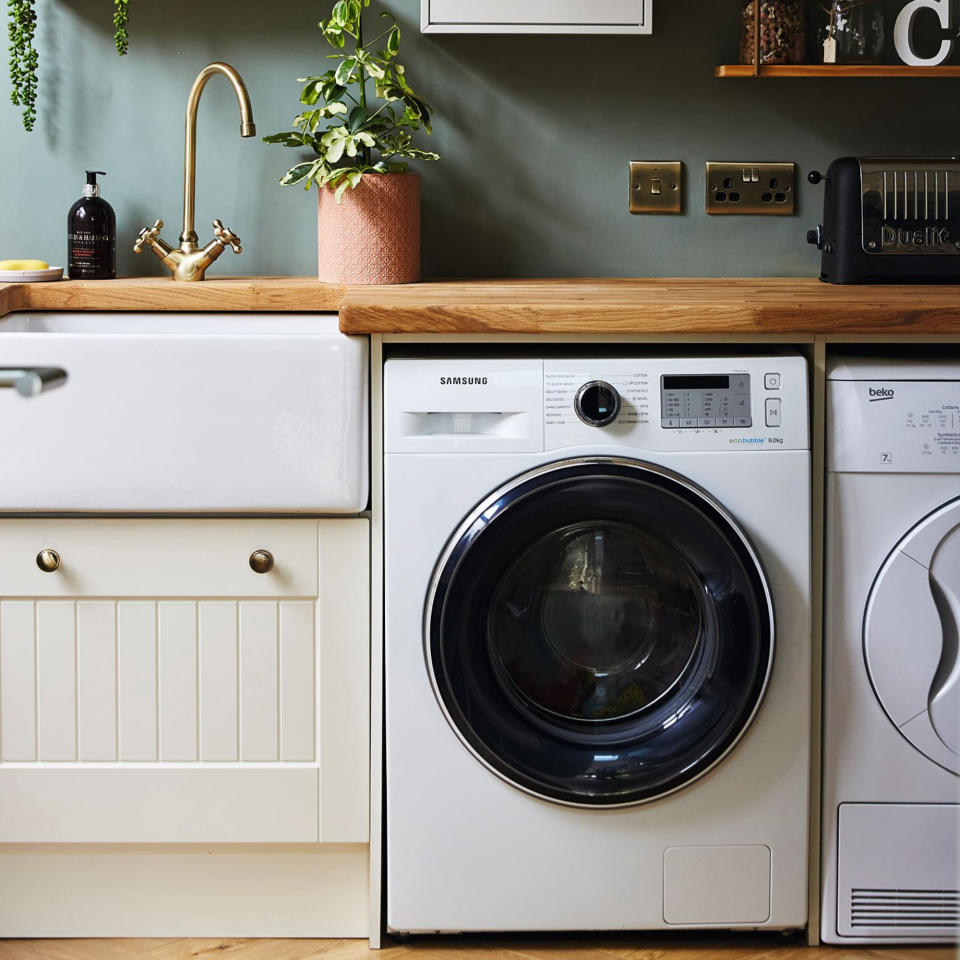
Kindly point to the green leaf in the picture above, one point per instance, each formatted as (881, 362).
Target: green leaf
(393, 41)
(344, 71)
(295, 174)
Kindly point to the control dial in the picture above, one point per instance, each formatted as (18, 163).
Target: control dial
(597, 403)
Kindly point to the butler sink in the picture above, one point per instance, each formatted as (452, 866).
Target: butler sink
(182, 413)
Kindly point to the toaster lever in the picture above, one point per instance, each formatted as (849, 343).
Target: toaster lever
(816, 237)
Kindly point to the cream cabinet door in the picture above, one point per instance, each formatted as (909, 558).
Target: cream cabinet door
(154, 688)
(536, 16)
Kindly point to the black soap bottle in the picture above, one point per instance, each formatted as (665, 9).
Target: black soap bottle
(92, 235)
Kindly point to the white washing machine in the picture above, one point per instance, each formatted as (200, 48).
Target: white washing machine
(597, 643)
(891, 770)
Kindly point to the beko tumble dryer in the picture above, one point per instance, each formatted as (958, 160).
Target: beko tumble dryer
(891, 721)
(597, 620)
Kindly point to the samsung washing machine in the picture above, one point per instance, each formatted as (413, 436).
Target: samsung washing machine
(891, 722)
(597, 643)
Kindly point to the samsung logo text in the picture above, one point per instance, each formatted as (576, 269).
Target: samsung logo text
(463, 381)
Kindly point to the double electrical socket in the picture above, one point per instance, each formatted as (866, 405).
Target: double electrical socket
(758, 189)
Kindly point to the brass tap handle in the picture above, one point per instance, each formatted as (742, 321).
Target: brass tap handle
(226, 236)
(147, 236)
(48, 560)
(261, 561)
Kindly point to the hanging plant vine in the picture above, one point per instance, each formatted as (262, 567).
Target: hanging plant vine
(121, 14)
(21, 29)
(23, 59)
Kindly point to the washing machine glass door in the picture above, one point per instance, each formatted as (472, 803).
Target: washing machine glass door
(910, 636)
(599, 632)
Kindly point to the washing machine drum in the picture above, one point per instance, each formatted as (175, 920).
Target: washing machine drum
(599, 632)
(910, 636)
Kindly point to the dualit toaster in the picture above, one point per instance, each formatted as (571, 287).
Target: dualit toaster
(890, 221)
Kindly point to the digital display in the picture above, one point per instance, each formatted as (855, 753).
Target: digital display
(705, 401)
(706, 382)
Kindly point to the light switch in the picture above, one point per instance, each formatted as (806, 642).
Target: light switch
(656, 187)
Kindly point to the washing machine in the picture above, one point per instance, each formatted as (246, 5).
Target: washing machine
(891, 721)
(597, 628)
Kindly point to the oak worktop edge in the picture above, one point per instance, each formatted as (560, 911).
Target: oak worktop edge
(697, 305)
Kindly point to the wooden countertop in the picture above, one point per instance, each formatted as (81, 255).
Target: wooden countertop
(144, 294)
(654, 306)
(703, 306)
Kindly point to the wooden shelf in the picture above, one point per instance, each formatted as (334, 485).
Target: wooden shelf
(738, 70)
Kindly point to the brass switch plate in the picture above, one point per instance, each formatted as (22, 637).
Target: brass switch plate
(751, 188)
(656, 187)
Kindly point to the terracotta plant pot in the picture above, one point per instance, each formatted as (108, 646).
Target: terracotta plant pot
(373, 234)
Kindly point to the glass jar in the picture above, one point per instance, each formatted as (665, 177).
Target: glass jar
(858, 29)
(782, 32)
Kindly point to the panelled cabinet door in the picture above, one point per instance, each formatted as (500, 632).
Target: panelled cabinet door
(155, 688)
(537, 16)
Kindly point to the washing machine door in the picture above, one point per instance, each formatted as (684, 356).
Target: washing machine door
(910, 636)
(599, 632)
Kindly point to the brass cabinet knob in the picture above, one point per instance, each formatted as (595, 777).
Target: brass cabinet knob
(261, 561)
(48, 560)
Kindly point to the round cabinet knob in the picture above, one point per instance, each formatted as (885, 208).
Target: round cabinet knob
(261, 561)
(48, 560)
(597, 403)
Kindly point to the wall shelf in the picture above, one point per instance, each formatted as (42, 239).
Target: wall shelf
(738, 70)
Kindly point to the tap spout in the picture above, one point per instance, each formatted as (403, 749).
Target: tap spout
(247, 129)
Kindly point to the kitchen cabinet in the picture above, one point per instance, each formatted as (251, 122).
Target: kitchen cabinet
(536, 16)
(154, 688)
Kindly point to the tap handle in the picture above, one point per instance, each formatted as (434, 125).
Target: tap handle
(147, 236)
(226, 236)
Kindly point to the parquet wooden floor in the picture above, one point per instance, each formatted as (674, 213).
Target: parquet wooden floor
(522, 947)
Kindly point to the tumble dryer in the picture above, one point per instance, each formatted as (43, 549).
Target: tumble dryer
(597, 642)
(891, 734)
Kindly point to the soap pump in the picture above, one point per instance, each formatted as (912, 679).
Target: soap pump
(92, 235)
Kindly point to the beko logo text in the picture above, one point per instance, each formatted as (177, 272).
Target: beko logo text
(880, 393)
(463, 381)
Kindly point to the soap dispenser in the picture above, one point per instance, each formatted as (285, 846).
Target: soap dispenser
(92, 235)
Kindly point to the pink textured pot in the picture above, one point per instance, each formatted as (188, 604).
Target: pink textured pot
(373, 234)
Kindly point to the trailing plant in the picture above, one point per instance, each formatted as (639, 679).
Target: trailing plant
(350, 129)
(121, 14)
(21, 29)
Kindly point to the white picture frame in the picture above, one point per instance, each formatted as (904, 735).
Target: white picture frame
(538, 16)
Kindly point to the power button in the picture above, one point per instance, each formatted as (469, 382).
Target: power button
(773, 412)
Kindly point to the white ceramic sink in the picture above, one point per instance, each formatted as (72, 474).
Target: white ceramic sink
(185, 413)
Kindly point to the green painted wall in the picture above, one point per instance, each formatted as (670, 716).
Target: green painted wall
(536, 133)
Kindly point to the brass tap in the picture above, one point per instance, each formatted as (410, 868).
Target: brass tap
(189, 261)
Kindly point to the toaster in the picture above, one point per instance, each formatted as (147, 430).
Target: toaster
(890, 220)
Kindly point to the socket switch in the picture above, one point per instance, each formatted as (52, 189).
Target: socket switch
(656, 187)
(766, 189)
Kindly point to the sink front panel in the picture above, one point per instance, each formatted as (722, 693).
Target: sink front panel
(185, 413)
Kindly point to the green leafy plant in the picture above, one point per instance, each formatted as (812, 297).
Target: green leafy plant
(21, 29)
(121, 15)
(350, 131)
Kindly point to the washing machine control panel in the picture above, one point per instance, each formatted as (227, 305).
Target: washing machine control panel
(518, 404)
(689, 401)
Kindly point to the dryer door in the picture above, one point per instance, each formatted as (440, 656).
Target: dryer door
(910, 636)
(599, 632)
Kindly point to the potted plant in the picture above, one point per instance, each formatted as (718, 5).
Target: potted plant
(359, 120)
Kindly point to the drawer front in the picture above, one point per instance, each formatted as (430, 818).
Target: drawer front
(127, 685)
(158, 558)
